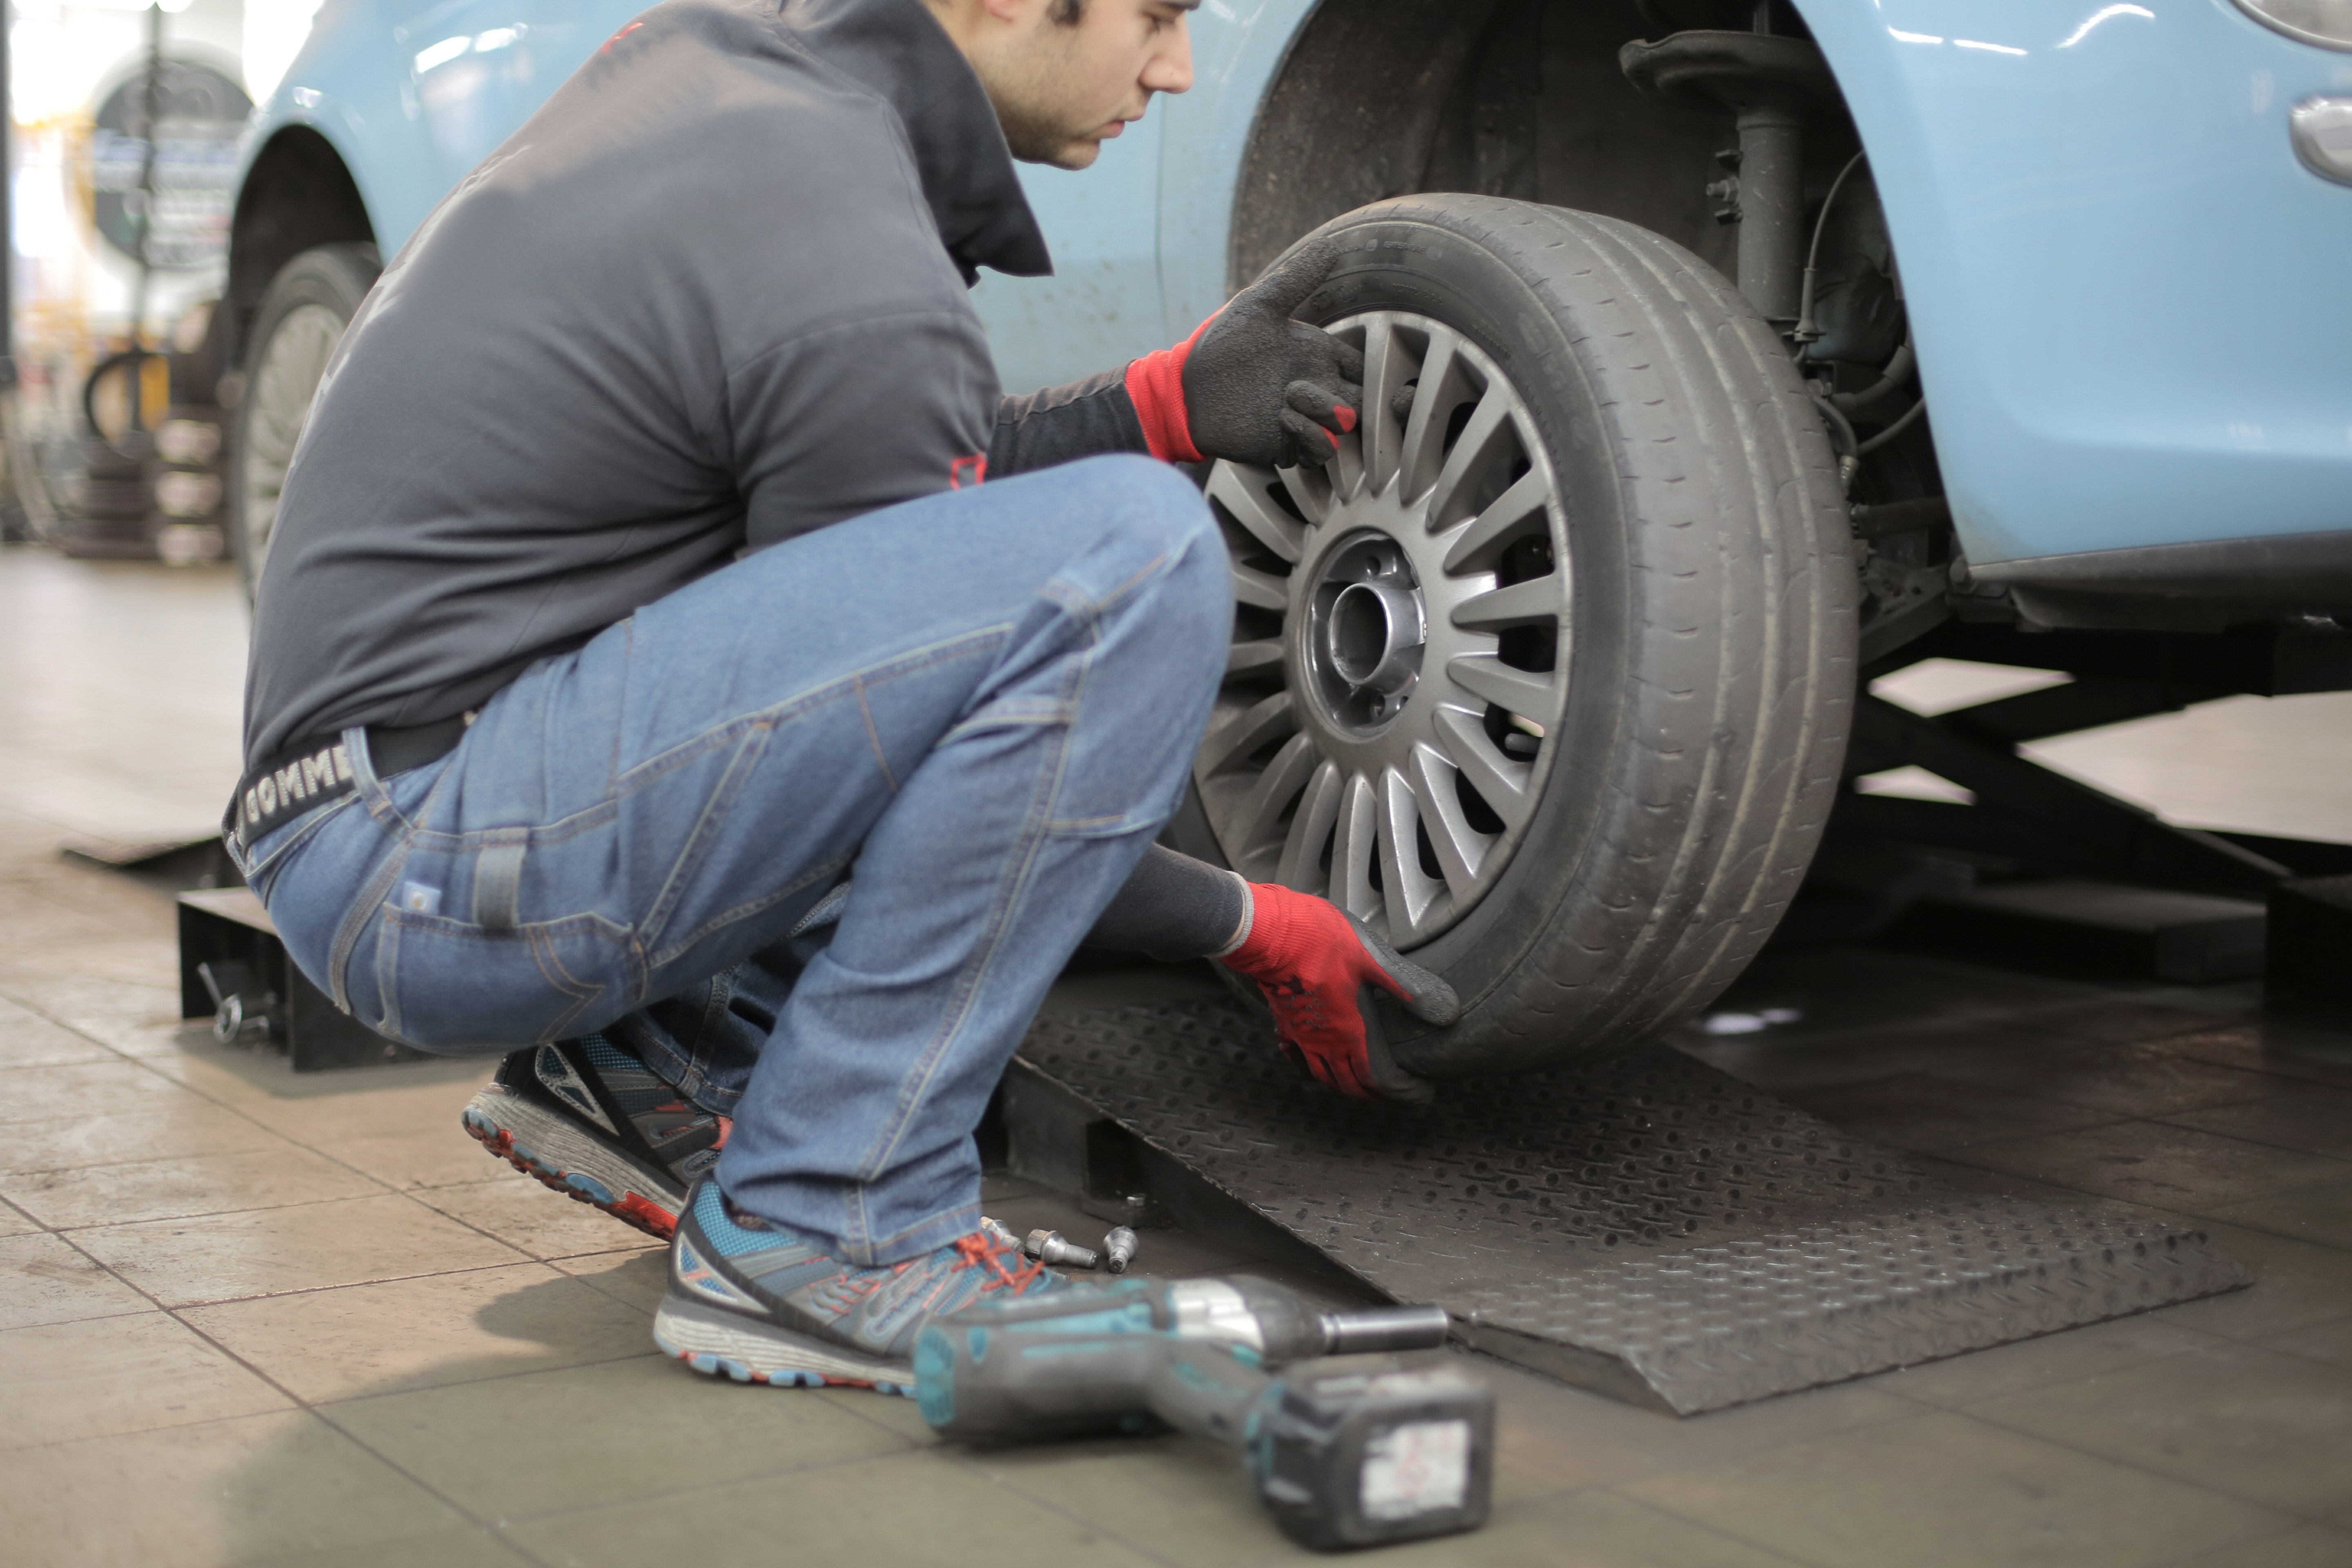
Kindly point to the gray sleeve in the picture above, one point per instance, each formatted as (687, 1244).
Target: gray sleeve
(1061, 424)
(856, 417)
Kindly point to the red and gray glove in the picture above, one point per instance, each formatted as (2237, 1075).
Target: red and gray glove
(1318, 966)
(1251, 386)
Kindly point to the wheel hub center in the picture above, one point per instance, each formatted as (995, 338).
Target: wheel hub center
(1368, 626)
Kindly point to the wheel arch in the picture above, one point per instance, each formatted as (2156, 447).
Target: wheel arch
(298, 192)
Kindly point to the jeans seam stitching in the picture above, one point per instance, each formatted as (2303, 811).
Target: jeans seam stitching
(1031, 837)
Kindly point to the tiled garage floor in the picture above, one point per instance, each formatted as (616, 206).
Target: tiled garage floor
(246, 1318)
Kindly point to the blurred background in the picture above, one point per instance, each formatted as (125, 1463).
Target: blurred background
(117, 254)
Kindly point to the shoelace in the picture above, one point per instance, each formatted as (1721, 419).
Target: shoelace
(977, 1251)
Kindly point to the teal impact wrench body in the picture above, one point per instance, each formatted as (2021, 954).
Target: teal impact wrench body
(1355, 1453)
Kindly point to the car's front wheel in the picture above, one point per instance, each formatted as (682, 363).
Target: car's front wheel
(302, 318)
(1546, 675)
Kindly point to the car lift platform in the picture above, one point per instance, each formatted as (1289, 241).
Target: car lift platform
(1649, 1227)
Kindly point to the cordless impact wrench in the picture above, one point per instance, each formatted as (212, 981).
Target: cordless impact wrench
(1378, 1448)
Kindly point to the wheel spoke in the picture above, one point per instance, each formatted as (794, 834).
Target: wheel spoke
(1460, 848)
(1262, 589)
(1521, 603)
(1245, 734)
(1407, 890)
(1311, 488)
(1448, 495)
(1310, 829)
(1525, 692)
(1242, 492)
(1355, 841)
(1525, 499)
(1506, 786)
(1253, 656)
(1432, 405)
(1260, 817)
(1388, 365)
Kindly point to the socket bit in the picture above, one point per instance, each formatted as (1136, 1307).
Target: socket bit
(1119, 1250)
(1049, 1247)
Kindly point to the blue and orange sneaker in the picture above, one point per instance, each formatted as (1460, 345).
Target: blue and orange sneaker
(594, 1122)
(755, 1302)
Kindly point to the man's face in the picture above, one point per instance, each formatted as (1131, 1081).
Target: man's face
(1061, 88)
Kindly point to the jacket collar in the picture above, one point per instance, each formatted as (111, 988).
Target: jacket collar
(898, 49)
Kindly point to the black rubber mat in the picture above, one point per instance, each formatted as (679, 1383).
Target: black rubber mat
(1649, 1227)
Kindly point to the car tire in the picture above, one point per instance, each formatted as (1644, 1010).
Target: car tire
(302, 318)
(1690, 567)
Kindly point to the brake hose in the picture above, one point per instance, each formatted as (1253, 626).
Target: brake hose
(1890, 381)
(1805, 331)
(1910, 417)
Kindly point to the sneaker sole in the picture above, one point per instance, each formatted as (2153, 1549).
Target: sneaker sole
(719, 1343)
(540, 1142)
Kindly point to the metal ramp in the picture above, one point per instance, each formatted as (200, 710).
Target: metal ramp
(1650, 1228)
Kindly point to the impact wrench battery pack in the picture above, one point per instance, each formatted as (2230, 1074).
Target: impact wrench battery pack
(1371, 1448)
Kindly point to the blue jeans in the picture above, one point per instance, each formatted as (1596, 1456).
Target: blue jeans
(956, 722)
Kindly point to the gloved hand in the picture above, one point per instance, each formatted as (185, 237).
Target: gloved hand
(1316, 965)
(1251, 384)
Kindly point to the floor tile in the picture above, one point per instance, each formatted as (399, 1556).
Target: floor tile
(469, 1547)
(529, 1217)
(208, 1496)
(218, 1257)
(2314, 1119)
(178, 1128)
(2110, 1021)
(27, 1039)
(899, 1417)
(2151, 1162)
(427, 1332)
(1917, 1110)
(194, 1184)
(45, 1280)
(2310, 1546)
(1945, 1490)
(2330, 1343)
(317, 1109)
(86, 1088)
(2268, 1428)
(1554, 1439)
(920, 1508)
(2124, 1082)
(585, 1437)
(2296, 1284)
(638, 1278)
(2321, 1213)
(144, 1038)
(2271, 1045)
(14, 1221)
(109, 1375)
(1584, 1530)
(2053, 1358)
(430, 1156)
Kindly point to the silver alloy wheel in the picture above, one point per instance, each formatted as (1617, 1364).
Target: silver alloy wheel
(1392, 698)
(280, 392)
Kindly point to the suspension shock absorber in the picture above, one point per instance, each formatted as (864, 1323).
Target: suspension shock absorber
(1772, 86)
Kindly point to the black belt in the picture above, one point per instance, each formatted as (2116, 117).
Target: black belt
(309, 772)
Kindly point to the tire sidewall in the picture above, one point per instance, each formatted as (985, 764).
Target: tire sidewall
(336, 277)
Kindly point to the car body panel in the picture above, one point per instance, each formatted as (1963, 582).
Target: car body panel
(2125, 288)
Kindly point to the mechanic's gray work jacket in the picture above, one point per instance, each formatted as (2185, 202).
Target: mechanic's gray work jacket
(710, 297)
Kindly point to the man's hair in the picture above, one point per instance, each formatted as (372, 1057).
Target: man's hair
(1066, 13)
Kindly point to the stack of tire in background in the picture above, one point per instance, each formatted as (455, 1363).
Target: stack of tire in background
(143, 493)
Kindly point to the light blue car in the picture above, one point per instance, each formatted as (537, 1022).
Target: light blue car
(1765, 345)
